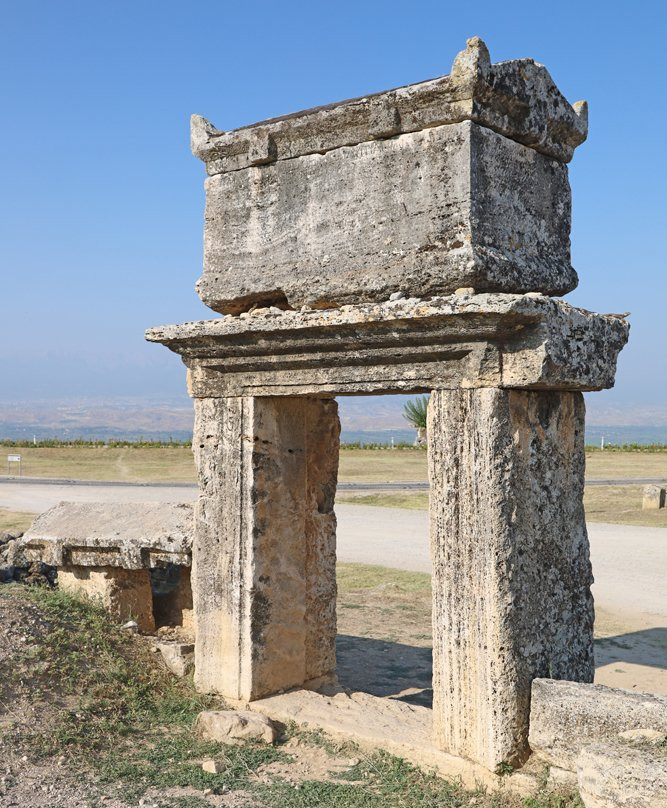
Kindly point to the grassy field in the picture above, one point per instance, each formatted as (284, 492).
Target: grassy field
(15, 520)
(175, 464)
(617, 504)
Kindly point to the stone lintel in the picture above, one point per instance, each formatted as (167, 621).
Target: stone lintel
(517, 99)
(459, 341)
(128, 535)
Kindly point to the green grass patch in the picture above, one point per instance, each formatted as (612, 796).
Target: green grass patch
(356, 577)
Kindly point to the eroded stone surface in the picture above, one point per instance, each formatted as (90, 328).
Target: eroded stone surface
(511, 567)
(516, 98)
(566, 716)
(229, 726)
(450, 183)
(463, 340)
(426, 213)
(263, 561)
(124, 593)
(653, 498)
(617, 776)
(131, 535)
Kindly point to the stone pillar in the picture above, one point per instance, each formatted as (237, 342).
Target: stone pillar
(511, 568)
(125, 594)
(263, 568)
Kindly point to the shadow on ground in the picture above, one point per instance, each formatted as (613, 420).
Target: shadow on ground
(398, 670)
(645, 647)
(384, 668)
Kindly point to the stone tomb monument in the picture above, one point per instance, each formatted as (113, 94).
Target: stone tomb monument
(407, 241)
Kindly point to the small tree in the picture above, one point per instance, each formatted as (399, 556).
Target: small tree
(415, 413)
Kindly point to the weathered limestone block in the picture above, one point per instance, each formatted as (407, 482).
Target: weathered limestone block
(566, 716)
(131, 535)
(263, 575)
(516, 98)
(177, 656)
(464, 340)
(654, 498)
(511, 568)
(232, 726)
(618, 776)
(427, 212)
(322, 447)
(125, 594)
(455, 182)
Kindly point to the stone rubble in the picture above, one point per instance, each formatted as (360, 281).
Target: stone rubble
(235, 726)
(612, 775)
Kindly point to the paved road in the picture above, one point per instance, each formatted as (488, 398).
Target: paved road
(630, 563)
(408, 485)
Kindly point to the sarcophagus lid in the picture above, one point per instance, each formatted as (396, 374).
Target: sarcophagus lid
(459, 181)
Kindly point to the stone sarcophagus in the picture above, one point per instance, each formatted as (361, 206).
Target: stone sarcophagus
(403, 242)
(456, 182)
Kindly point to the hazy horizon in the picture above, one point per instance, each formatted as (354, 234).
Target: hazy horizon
(102, 210)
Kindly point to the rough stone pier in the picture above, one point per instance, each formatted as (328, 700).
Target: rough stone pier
(402, 242)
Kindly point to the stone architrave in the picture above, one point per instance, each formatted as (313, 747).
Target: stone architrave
(511, 568)
(263, 575)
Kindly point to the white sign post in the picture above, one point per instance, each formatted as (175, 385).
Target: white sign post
(13, 458)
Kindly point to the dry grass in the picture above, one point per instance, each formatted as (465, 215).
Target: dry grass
(128, 464)
(15, 520)
(610, 465)
(620, 505)
(175, 464)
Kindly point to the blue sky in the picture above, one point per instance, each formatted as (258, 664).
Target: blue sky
(102, 203)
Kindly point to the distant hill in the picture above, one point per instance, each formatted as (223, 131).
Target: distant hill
(367, 419)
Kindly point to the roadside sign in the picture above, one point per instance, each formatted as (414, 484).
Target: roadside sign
(13, 458)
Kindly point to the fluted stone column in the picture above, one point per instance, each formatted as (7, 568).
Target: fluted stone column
(263, 572)
(511, 569)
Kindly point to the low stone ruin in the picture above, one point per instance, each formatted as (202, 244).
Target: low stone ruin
(134, 558)
(654, 497)
(405, 242)
(610, 743)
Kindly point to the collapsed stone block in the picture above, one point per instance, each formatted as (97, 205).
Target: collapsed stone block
(106, 550)
(263, 577)
(425, 189)
(618, 776)
(125, 594)
(511, 567)
(567, 716)
(653, 498)
(232, 726)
